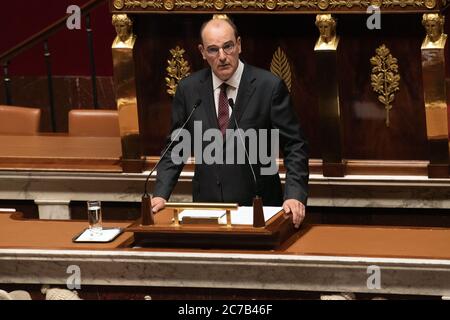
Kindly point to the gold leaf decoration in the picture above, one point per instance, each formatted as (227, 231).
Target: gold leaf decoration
(385, 78)
(194, 4)
(177, 69)
(270, 5)
(280, 67)
(118, 4)
(143, 4)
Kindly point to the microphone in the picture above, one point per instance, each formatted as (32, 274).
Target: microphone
(146, 205)
(258, 212)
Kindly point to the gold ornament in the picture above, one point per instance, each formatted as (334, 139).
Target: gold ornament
(271, 4)
(118, 4)
(219, 4)
(376, 3)
(280, 67)
(169, 4)
(385, 77)
(430, 4)
(323, 4)
(177, 69)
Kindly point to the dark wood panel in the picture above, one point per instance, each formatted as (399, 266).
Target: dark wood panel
(158, 34)
(296, 36)
(365, 133)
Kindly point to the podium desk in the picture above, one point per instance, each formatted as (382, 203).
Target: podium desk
(318, 258)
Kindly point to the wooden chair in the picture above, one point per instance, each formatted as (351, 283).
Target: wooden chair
(19, 120)
(94, 123)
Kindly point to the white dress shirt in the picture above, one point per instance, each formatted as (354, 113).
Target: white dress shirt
(233, 86)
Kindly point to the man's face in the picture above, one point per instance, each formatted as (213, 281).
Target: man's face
(433, 29)
(123, 30)
(220, 48)
(325, 30)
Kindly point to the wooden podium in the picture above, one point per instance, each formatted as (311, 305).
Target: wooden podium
(168, 232)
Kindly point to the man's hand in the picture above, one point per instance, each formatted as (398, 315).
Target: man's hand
(297, 209)
(158, 203)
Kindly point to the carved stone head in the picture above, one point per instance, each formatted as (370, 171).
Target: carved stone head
(123, 25)
(327, 27)
(434, 25)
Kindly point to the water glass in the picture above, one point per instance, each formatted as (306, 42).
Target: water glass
(94, 216)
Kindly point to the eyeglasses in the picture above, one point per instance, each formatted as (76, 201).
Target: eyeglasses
(213, 51)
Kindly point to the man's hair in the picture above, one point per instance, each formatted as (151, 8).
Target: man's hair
(433, 17)
(326, 18)
(117, 18)
(223, 17)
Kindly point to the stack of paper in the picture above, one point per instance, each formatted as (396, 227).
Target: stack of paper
(244, 215)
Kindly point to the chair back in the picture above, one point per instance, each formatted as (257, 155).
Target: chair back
(19, 120)
(94, 123)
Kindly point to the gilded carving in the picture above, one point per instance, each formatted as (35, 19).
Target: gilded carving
(297, 4)
(169, 4)
(118, 4)
(251, 4)
(158, 4)
(327, 29)
(219, 4)
(433, 73)
(205, 4)
(124, 29)
(177, 69)
(270, 4)
(280, 67)
(434, 26)
(323, 4)
(385, 77)
(125, 87)
(348, 3)
(403, 3)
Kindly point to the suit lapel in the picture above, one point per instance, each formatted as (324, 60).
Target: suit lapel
(245, 92)
(207, 94)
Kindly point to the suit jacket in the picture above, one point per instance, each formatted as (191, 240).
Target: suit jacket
(262, 102)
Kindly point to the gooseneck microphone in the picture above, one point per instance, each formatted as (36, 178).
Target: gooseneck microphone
(146, 205)
(258, 212)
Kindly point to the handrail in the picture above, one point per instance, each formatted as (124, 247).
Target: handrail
(45, 33)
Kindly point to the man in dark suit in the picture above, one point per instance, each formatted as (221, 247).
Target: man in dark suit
(261, 102)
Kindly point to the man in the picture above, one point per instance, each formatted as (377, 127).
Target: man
(261, 102)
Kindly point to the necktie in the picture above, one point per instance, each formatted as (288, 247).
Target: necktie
(223, 114)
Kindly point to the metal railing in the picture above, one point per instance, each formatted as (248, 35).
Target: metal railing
(42, 38)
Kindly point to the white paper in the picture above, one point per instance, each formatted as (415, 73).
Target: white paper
(244, 215)
(201, 214)
(104, 235)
